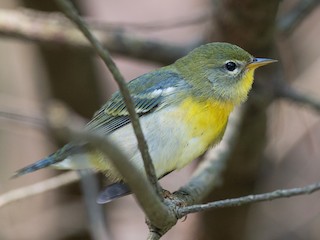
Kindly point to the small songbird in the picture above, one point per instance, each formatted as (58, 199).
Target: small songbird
(183, 110)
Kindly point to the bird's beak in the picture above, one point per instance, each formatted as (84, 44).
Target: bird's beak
(258, 62)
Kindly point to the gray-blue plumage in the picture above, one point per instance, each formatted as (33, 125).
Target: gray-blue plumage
(53, 158)
(114, 115)
(147, 92)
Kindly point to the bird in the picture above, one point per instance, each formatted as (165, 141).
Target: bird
(183, 110)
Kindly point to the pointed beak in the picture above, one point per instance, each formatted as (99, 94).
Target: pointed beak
(258, 62)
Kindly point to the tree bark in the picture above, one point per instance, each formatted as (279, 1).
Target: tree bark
(249, 24)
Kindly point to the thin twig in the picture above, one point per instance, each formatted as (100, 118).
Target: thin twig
(72, 14)
(153, 236)
(208, 174)
(142, 188)
(38, 188)
(235, 202)
(290, 21)
(290, 93)
(34, 121)
(150, 26)
(54, 29)
(97, 220)
(65, 126)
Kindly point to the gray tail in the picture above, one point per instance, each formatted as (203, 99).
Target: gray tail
(56, 157)
(51, 159)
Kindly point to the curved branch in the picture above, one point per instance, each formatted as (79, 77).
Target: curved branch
(65, 125)
(205, 178)
(235, 202)
(38, 188)
(208, 174)
(290, 93)
(150, 26)
(97, 221)
(73, 15)
(55, 29)
(30, 120)
(290, 21)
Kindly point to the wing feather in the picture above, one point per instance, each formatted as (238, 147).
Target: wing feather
(148, 92)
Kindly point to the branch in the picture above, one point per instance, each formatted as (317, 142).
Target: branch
(290, 21)
(72, 14)
(38, 188)
(205, 178)
(54, 29)
(64, 124)
(290, 93)
(153, 236)
(33, 121)
(97, 221)
(150, 26)
(208, 174)
(235, 202)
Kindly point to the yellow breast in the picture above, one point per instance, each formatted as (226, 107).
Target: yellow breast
(175, 135)
(206, 120)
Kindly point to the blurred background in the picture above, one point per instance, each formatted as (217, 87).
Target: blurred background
(280, 144)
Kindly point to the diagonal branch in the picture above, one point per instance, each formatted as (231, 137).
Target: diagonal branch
(290, 93)
(38, 188)
(206, 177)
(96, 217)
(71, 13)
(162, 215)
(65, 125)
(29, 120)
(290, 21)
(153, 25)
(208, 174)
(235, 202)
(54, 29)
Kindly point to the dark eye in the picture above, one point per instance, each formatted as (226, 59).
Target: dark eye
(231, 66)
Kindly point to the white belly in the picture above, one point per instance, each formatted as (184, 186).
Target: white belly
(168, 140)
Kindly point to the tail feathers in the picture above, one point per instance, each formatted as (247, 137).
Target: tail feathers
(58, 156)
(112, 192)
(51, 159)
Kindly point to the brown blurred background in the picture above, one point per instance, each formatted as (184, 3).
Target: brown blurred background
(31, 74)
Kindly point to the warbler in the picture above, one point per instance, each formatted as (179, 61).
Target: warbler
(183, 110)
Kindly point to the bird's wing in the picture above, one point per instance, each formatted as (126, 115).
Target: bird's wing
(148, 93)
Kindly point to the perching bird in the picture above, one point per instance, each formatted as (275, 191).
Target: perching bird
(183, 110)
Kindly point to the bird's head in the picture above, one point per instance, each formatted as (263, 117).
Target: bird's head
(220, 70)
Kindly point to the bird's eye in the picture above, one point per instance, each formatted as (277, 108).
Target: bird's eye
(230, 66)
